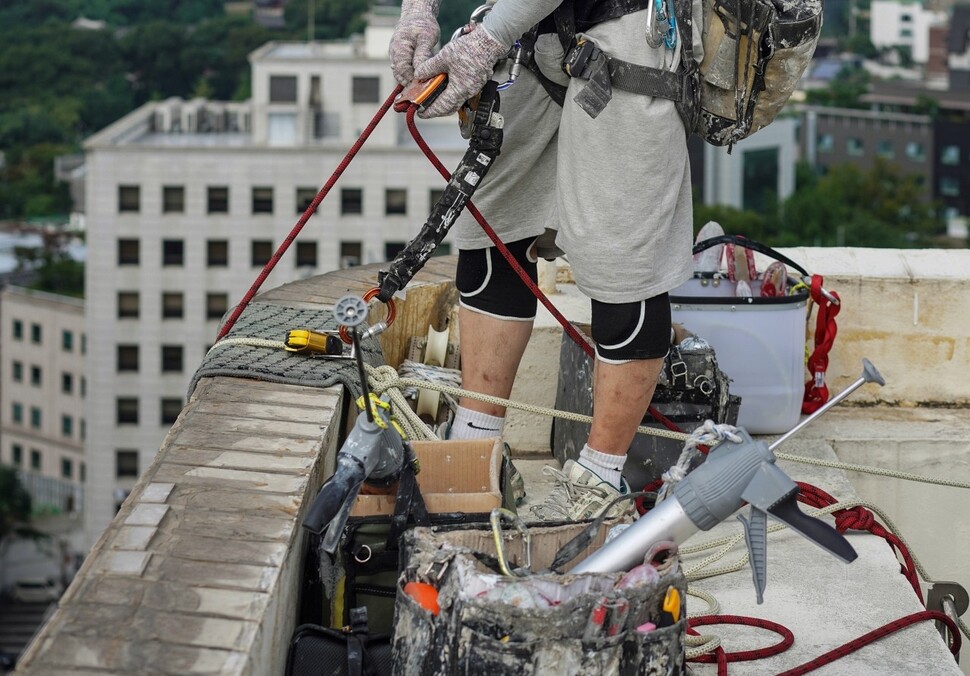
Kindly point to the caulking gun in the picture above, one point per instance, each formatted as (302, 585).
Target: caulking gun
(732, 474)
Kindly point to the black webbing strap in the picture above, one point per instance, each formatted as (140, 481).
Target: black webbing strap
(555, 91)
(645, 80)
(355, 641)
(409, 504)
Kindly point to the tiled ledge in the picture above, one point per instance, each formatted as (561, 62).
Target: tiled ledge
(198, 572)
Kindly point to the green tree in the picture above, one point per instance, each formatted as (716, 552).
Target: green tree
(217, 51)
(332, 18)
(59, 273)
(844, 91)
(154, 53)
(881, 207)
(15, 510)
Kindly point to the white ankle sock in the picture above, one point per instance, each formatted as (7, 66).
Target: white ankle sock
(469, 424)
(607, 466)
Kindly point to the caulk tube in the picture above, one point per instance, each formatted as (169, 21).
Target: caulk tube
(704, 498)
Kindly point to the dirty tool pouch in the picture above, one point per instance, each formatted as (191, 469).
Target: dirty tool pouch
(496, 625)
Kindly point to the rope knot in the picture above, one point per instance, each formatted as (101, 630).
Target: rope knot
(856, 518)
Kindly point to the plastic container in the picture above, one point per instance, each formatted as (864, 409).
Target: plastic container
(760, 345)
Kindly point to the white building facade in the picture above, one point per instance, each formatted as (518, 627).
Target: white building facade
(186, 201)
(903, 23)
(42, 390)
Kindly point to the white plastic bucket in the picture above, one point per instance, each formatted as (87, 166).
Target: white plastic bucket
(759, 344)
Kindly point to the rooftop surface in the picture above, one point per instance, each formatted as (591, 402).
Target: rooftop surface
(200, 570)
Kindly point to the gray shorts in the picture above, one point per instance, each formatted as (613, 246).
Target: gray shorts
(615, 188)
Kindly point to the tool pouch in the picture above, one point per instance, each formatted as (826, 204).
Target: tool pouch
(350, 651)
(479, 631)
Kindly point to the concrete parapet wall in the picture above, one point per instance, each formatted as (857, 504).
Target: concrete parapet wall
(908, 311)
(200, 570)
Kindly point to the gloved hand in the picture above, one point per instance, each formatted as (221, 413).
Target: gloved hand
(469, 61)
(414, 37)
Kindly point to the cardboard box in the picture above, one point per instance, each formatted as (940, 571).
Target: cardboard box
(455, 476)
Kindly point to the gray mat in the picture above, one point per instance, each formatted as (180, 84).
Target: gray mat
(273, 322)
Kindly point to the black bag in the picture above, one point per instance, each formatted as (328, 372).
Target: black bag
(351, 651)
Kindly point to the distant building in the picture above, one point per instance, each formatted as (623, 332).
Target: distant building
(958, 49)
(42, 389)
(903, 23)
(187, 200)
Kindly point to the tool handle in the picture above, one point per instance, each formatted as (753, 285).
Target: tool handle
(756, 537)
(339, 490)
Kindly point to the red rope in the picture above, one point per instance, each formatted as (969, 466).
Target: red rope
(786, 642)
(816, 391)
(875, 635)
(268, 268)
(861, 519)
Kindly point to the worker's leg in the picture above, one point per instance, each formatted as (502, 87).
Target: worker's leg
(621, 396)
(495, 320)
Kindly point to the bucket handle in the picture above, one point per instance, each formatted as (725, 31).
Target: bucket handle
(749, 244)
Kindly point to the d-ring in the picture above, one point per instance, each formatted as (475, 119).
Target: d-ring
(364, 559)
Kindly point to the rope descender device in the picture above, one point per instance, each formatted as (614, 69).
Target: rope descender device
(484, 128)
(375, 329)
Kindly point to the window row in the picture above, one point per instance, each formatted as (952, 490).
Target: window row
(173, 305)
(37, 335)
(363, 89)
(37, 463)
(171, 358)
(914, 150)
(127, 410)
(36, 420)
(262, 200)
(37, 377)
(217, 252)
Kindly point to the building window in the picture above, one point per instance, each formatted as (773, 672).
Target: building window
(262, 200)
(172, 305)
(67, 383)
(170, 410)
(128, 251)
(885, 150)
(905, 32)
(83, 432)
(17, 413)
(129, 198)
(126, 464)
(127, 305)
(35, 459)
(216, 305)
(36, 334)
(36, 417)
(127, 358)
(17, 454)
(351, 201)
(760, 170)
(173, 199)
(950, 156)
(395, 202)
(171, 358)
(326, 124)
(18, 371)
(949, 186)
(351, 254)
(434, 195)
(825, 143)
(67, 468)
(366, 89)
(173, 252)
(217, 253)
(306, 254)
(855, 146)
(126, 411)
(915, 151)
(282, 89)
(84, 387)
(67, 341)
(217, 200)
(304, 198)
(84, 343)
(443, 249)
(262, 251)
(392, 249)
(18, 330)
(82, 471)
(67, 426)
(35, 376)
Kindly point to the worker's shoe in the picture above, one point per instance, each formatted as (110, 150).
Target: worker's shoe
(580, 494)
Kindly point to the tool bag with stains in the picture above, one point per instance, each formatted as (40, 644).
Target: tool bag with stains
(492, 624)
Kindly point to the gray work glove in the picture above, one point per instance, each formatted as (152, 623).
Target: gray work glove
(469, 61)
(415, 37)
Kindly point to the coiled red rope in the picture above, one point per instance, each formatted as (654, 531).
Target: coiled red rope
(816, 390)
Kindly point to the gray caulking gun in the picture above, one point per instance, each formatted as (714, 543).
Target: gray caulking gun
(733, 473)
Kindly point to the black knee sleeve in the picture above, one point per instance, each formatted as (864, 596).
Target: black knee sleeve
(488, 284)
(625, 331)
